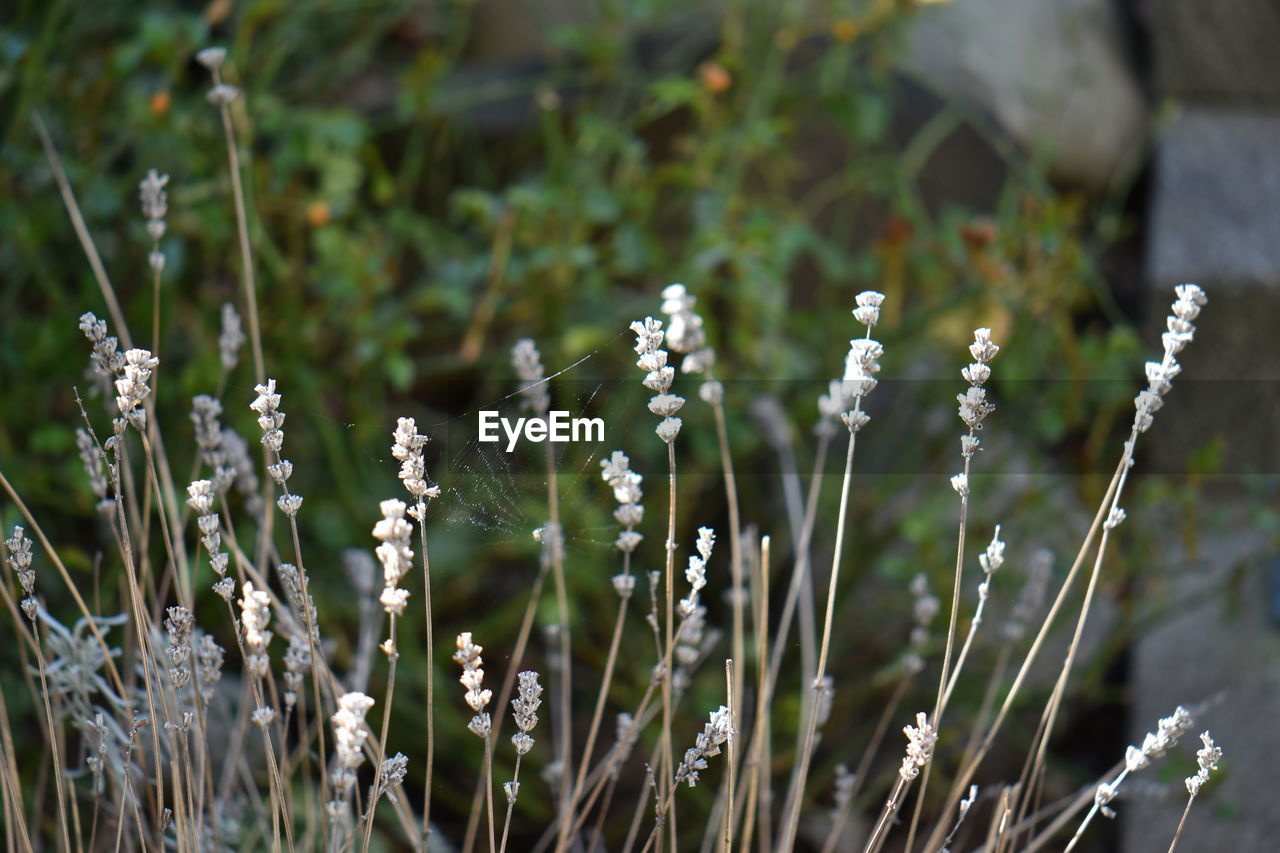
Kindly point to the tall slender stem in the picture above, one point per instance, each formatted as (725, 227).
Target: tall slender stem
(511, 804)
(666, 765)
(393, 655)
(488, 788)
(555, 547)
(431, 679)
(242, 231)
(1181, 823)
(966, 774)
(605, 682)
(504, 694)
(795, 798)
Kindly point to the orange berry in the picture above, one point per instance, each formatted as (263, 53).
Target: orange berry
(715, 79)
(978, 234)
(845, 30)
(318, 214)
(159, 103)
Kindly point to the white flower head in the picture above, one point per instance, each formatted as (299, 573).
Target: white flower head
(707, 745)
(982, 349)
(992, 558)
(921, 739)
(867, 310)
(212, 57)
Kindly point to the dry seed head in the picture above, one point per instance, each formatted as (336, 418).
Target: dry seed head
(350, 733)
(844, 787)
(392, 774)
(1160, 374)
(231, 338)
(982, 349)
(200, 497)
(132, 387)
(105, 361)
(707, 745)
(289, 504)
(696, 573)
(867, 310)
(407, 446)
(685, 335)
(527, 700)
(209, 656)
(477, 698)
(527, 362)
(665, 405)
(974, 407)
(626, 485)
(993, 557)
(225, 588)
(255, 616)
(212, 57)
(861, 365)
(155, 202)
(179, 624)
(1030, 600)
(668, 429)
(1207, 757)
(281, 471)
(270, 418)
(921, 739)
(222, 95)
(19, 560)
(835, 401)
(91, 459)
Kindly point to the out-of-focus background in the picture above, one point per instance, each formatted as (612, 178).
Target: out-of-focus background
(430, 181)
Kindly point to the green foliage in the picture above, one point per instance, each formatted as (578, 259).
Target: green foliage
(415, 211)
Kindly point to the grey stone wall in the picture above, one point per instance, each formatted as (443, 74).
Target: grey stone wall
(1215, 220)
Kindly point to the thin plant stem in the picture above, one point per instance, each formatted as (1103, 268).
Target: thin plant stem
(82, 231)
(431, 677)
(1074, 804)
(1051, 709)
(142, 632)
(864, 763)
(757, 767)
(945, 680)
(890, 809)
(511, 804)
(1181, 823)
(966, 774)
(666, 765)
(796, 796)
(108, 658)
(488, 787)
(242, 232)
(314, 652)
(17, 824)
(605, 682)
(59, 783)
(392, 657)
(731, 754)
(735, 552)
(1093, 811)
(504, 694)
(555, 544)
(800, 570)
